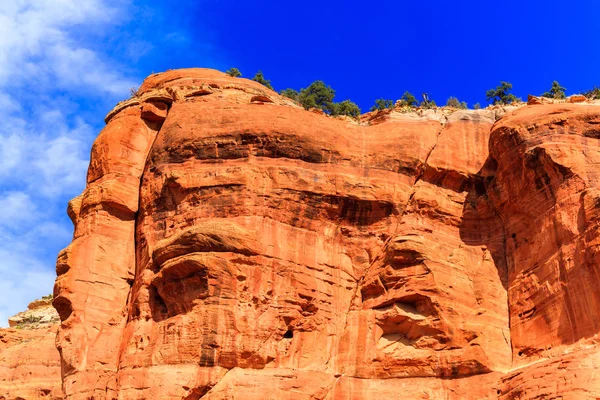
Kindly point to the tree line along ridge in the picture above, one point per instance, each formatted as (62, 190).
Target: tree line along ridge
(321, 96)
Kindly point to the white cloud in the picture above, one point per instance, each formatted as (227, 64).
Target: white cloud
(12, 146)
(82, 67)
(24, 276)
(61, 164)
(17, 208)
(44, 150)
(24, 279)
(40, 43)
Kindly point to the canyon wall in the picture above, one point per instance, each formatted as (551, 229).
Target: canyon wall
(230, 244)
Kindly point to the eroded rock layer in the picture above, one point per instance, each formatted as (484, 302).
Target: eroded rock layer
(230, 244)
(29, 361)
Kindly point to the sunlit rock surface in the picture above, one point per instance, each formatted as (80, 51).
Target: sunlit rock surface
(230, 244)
(29, 362)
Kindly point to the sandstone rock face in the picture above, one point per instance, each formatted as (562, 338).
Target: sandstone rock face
(230, 244)
(552, 232)
(577, 98)
(29, 361)
(39, 313)
(534, 100)
(96, 271)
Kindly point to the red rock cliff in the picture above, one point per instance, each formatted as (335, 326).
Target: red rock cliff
(230, 244)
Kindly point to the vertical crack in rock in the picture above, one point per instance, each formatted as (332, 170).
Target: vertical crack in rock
(420, 175)
(154, 117)
(376, 256)
(504, 278)
(424, 166)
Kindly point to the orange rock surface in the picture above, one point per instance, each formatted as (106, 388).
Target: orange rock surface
(230, 244)
(29, 363)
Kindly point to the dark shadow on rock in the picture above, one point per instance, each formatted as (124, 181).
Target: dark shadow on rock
(480, 224)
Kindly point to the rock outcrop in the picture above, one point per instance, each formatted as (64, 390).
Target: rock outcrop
(29, 361)
(230, 244)
(39, 313)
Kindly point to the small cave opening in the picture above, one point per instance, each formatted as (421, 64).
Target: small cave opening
(63, 306)
(289, 334)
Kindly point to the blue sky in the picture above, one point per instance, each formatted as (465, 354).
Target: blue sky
(65, 63)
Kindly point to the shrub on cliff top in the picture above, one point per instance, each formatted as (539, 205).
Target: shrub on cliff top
(259, 77)
(290, 93)
(453, 102)
(408, 99)
(317, 95)
(556, 91)
(382, 104)
(592, 94)
(346, 107)
(133, 91)
(234, 72)
(428, 104)
(501, 95)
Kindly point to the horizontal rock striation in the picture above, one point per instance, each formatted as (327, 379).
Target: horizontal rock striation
(29, 362)
(231, 244)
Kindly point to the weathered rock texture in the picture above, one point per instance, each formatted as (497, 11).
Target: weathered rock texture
(230, 244)
(29, 362)
(39, 313)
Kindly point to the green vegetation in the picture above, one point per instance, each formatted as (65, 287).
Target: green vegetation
(48, 297)
(382, 104)
(556, 91)
(29, 319)
(320, 96)
(593, 93)
(290, 93)
(428, 104)
(455, 103)
(32, 319)
(259, 77)
(317, 95)
(501, 95)
(346, 107)
(408, 99)
(234, 72)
